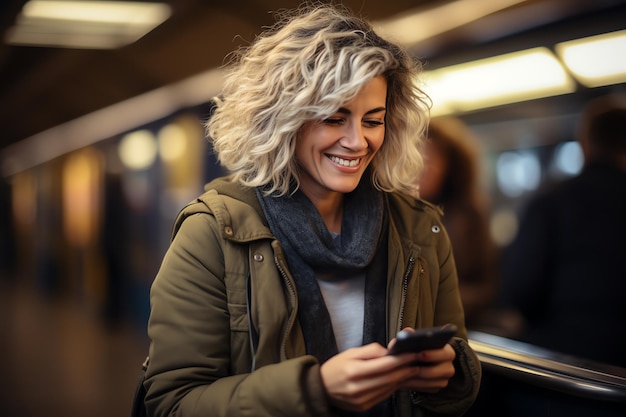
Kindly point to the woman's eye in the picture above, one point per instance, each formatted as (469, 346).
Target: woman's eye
(373, 122)
(333, 121)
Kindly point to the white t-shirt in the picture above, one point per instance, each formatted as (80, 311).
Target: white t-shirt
(345, 302)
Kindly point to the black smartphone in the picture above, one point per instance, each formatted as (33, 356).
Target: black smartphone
(422, 339)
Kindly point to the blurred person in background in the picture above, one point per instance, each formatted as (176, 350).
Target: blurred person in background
(451, 179)
(565, 271)
(286, 281)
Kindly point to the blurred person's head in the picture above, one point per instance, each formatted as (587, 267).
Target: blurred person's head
(602, 132)
(451, 155)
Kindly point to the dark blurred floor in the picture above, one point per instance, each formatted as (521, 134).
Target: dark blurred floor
(59, 359)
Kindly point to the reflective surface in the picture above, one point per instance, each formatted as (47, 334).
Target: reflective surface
(522, 380)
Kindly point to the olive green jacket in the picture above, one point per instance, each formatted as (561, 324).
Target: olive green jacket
(225, 274)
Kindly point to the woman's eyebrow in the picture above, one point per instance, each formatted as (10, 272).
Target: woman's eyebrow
(376, 110)
(343, 110)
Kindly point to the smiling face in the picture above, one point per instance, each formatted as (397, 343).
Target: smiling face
(334, 153)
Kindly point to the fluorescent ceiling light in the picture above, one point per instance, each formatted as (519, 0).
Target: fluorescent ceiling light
(109, 122)
(504, 79)
(596, 60)
(421, 24)
(85, 24)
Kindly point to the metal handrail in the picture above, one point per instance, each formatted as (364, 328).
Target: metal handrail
(548, 369)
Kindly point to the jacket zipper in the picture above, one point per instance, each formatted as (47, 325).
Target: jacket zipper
(294, 295)
(415, 398)
(405, 289)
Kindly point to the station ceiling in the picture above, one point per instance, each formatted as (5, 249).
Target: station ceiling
(43, 87)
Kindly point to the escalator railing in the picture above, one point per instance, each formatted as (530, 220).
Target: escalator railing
(550, 370)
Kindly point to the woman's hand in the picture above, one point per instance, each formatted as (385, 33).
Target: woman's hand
(433, 372)
(361, 377)
(434, 369)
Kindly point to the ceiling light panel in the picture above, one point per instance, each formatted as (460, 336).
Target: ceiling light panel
(423, 23)
(85, 24)
(597, 60)
(495, 81)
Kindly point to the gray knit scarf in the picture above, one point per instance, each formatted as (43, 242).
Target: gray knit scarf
(310, 248)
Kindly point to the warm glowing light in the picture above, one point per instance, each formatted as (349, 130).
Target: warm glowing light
(172, 142)
(596, 60)
(499, 80)
(138, 150)
(81, 199)
(85, 24)
(97, 11)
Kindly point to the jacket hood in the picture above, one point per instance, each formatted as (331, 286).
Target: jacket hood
(224, 186)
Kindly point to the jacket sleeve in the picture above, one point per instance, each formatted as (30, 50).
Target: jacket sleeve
(190, 370)
(463, 387)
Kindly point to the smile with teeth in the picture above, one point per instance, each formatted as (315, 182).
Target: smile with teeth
(345, 162)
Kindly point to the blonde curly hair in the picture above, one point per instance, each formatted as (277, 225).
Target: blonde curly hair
(311, 62)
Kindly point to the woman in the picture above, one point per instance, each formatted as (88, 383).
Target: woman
(286, 281)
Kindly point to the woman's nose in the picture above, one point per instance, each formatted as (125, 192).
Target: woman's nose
(354, 137)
